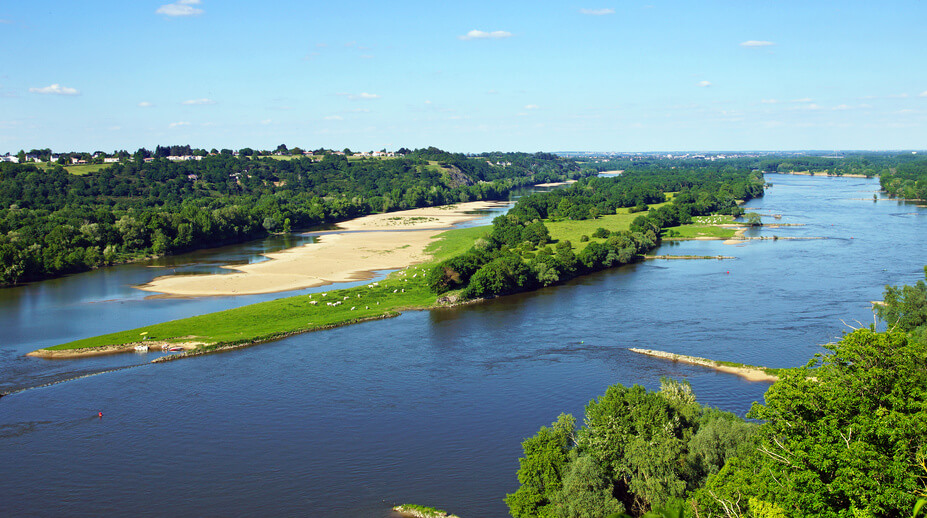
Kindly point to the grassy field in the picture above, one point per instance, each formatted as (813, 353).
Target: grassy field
(574, 230)
(268, 320)
(78, 170)
(276, 318)
(704, 226)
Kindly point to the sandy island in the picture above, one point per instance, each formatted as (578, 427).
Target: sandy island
(336, 257)
(748, 372)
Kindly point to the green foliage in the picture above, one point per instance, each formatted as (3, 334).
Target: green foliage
(586, 492)
(637, 450)
(140, 207)
(905, 308)
(541, 469)
(841, 435)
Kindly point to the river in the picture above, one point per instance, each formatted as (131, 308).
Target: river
(429, 407)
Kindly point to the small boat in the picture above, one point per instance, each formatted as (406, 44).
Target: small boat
(141, 348)
(175, 348)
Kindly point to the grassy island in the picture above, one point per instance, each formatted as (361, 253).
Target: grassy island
(590, 232)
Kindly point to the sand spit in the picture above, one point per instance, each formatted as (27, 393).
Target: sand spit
(336, 257)
(63, 354)
(749, 373)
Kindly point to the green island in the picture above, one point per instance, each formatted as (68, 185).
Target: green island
(608, 219)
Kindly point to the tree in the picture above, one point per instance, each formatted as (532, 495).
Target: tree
(541, 469)
(843, 436)
(905, 308)
(753, 219)
(586, 492)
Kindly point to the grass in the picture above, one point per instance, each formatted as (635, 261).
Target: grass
(704, 226)
(455, 242)
(277, 318)
(574, 230)
(77, 170)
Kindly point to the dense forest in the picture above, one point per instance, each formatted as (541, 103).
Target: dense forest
(517, 256)
(843, 436)
(856, 163)
(907, 180)
(53, 222)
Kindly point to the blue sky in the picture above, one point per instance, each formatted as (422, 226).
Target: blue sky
(634, 75)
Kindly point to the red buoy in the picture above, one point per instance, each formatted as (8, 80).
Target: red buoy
(101, 414)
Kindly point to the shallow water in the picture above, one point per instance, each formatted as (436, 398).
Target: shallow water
(429, 407)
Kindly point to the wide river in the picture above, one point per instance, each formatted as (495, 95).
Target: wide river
(429, 407)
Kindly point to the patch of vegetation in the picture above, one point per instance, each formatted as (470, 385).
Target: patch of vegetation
(273, 319)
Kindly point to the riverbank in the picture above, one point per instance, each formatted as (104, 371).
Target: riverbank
(369, 243)
(748, 372)
(812, 173)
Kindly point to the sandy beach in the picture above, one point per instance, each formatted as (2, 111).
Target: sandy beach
(337, 257)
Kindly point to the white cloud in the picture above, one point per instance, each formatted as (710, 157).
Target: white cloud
(180, 8)
(769, 101)
(531, 107)
(898, 96)
(597, 12)
(842, 107)
(265, 122)
(756, 43)
(198, 102)
(362, 95)
(483, 35)
(922, 94)
(55, 89)
(334, 117)
(178, 124)
(145, 104)
(704, 84)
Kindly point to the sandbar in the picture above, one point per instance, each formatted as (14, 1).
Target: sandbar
(334, 257)
(555, 184)
(748, 372)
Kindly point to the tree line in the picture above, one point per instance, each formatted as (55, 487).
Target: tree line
(907, 180)
(54, 223)
(517, 254)
(843, 436)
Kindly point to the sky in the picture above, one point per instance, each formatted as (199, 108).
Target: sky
(638, 75)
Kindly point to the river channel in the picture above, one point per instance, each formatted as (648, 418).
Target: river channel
(429, 407)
